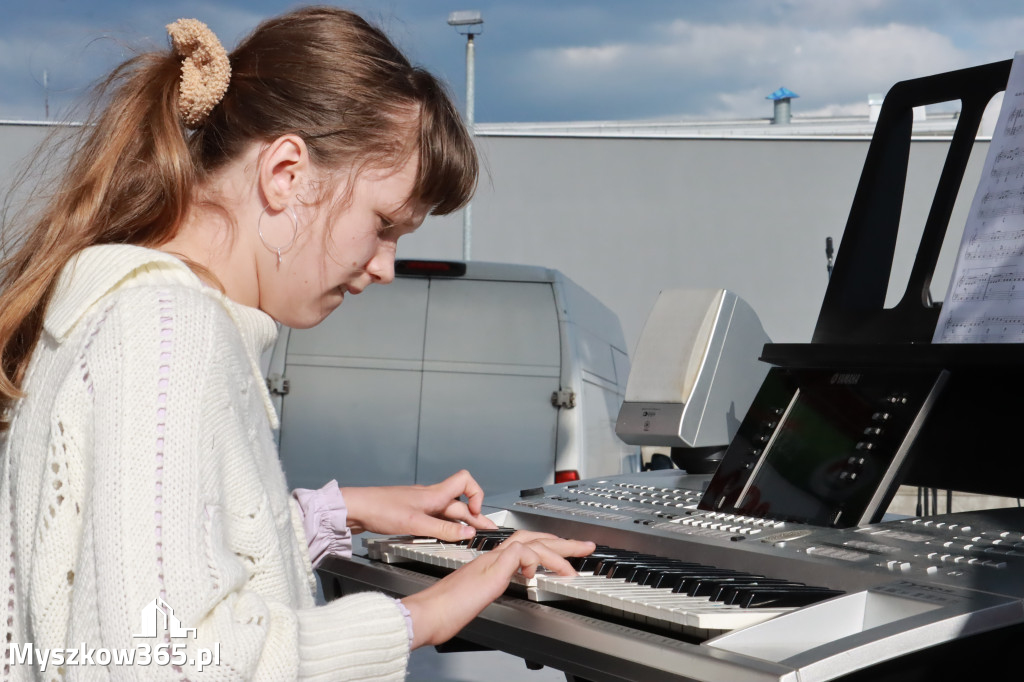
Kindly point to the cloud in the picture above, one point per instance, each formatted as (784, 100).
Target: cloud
(588, 57)
(65, 60)
(573, 59)
(726, 70)
(996, 38)
(75, 54)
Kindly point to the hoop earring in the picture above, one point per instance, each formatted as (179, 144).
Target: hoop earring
(290, 212)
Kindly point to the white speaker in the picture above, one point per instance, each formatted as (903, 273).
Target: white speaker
(694, 372)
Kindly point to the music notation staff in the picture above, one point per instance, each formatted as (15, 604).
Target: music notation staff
(1001, 204)
(1009, 163)
(989, 284)
(1015, 122)
(992, 329)
(999, 244)
(987, 287)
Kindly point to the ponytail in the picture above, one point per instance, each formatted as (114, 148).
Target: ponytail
(128, 181)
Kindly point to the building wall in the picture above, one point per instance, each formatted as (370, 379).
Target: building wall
(628, 217)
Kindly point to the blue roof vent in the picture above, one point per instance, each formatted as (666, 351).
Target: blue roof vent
(781, 97)
(782, 93)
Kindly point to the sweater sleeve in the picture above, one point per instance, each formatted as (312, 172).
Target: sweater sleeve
(190, 511)
(324, 521)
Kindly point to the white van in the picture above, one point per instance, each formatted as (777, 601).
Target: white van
(511, 371)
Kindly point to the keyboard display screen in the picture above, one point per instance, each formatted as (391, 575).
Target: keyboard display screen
(822, 447)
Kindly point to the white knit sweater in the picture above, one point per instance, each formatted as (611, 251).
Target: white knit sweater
(141, 465)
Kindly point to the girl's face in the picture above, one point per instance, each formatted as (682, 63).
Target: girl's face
(339, 251)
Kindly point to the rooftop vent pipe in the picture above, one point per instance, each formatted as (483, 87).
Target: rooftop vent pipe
(782, 96)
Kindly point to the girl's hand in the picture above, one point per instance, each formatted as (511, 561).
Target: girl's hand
(435, 511)
(444, 608)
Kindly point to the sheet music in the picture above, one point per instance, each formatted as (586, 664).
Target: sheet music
(985, 302)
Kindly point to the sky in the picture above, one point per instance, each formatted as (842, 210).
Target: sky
(561, 60)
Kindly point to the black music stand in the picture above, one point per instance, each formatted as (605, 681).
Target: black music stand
(969, 441)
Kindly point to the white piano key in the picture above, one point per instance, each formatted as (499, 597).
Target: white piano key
(446, 556)
(670, 608)
(439, 554)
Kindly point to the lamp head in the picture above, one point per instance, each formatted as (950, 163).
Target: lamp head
(467, 21)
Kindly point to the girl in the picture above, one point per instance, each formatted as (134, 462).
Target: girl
(210, 196)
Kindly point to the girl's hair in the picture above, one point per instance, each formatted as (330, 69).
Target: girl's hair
(319, 72)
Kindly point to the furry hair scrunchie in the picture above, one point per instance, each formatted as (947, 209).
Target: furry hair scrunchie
(205, 69)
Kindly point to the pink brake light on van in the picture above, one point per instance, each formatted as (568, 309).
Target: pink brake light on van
(566, 476)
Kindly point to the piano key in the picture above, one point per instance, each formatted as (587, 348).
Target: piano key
(710, 586)
(714, 586)
(588, 563)
(605, 566)
(651, 575)
(688, 582)
(670, 578)
(487, 539)
(628, 570)
(728, 592)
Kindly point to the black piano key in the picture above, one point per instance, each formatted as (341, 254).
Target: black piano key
(643, 574)
(628, 570)
(709, 586)
(689, 582)
(617, 569)
(656, 575)
(670, 578)
(489, 538)
(605, 566)
(649, 574)
(590, 562)
(607, 560)
(765, 596)
(490, 543)
(727, 591)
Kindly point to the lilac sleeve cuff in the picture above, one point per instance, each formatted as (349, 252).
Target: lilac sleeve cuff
(324, 519)
(408, 618)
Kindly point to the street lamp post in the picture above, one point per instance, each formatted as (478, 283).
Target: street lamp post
(470, 24)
